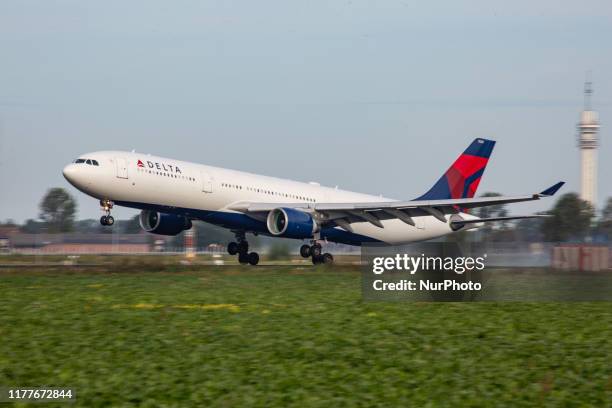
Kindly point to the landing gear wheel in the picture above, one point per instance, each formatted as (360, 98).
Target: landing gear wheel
(243, 258)
(253, 258)
(328, 259)
(317, 259)
(315, 250)
(107, 206)
(232, 248)
(305, 251)
(243, 247)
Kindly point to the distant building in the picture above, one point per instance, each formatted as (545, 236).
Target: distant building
(588, 127)
(5, 232)
(78, 243)
(4, 244)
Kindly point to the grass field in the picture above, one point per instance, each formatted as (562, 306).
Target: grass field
(289, 336)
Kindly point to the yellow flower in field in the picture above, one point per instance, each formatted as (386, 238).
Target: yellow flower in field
(228, 306)
(220, 306)
(146, 306)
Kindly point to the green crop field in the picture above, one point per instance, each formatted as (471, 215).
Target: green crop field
(289, 336)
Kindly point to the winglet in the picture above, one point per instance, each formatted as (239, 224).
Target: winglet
(550, 191)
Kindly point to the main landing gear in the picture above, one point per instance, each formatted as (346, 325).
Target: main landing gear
(315, 251)
(241, 247)
(106, 219)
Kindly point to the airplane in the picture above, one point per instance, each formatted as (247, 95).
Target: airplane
(172, 193)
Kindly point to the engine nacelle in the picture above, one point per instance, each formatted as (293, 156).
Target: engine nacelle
(162, 223)
(290, 223)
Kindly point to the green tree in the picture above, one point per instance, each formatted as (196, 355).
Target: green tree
(57, 210)
(31, 226)
(604, 226)
(529, 230)
(207, 234)
(491, 211)
(132, 226)
(570, 219)
(498, 210)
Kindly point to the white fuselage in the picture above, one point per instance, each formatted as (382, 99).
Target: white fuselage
(207, 193)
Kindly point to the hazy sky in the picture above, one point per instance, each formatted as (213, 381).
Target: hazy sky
(373, 96)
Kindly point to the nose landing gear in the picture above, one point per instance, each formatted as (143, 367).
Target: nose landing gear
(107, 219)
(242, 249)
(314, 251)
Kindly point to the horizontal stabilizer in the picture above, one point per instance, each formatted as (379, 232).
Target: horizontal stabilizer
(479, 220)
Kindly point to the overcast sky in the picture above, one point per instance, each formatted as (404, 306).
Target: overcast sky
(377, 97)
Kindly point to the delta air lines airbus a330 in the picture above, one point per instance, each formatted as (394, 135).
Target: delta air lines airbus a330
(171, 194)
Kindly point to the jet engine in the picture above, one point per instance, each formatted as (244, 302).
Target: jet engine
(291, 223)
(163, 223)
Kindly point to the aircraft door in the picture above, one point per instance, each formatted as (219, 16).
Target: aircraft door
(122, 167)
(207, 182)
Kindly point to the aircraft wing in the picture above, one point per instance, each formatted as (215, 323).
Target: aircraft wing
(343, 214)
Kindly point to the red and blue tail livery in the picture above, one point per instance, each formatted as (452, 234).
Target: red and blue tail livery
(463, 176)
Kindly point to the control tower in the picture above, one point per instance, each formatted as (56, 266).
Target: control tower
(588, 127)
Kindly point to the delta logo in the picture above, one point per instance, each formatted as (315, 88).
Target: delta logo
(159, 166)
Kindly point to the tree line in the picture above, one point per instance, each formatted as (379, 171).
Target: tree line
(571, 219)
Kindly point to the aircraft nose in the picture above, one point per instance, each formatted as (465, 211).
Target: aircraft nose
(70, 172)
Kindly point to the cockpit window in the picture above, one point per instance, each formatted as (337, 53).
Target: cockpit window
(91, 162)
